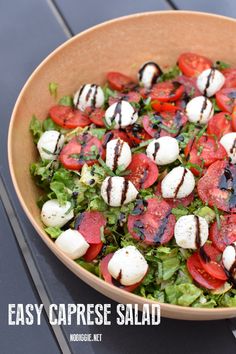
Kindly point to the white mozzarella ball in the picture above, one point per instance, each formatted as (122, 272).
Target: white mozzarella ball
(191, 231)
(148, 74)
(121, 114)
(199, 110)
(56, 215)
(229, 256)
(128, 265)
(89, 95)
(118, 153)
(178, 183)
(117, 191)
(163, 150)
(229, 142)
(72, 243)
(50, 144)
(210, 81)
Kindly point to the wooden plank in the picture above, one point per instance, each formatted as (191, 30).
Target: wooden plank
(83, 14)
(226, 7)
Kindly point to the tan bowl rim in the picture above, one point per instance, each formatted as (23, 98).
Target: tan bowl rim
(100, 283)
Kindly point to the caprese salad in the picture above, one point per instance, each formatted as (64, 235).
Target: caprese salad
(139, 180)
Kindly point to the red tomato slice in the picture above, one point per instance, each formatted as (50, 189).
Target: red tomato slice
(210, 258)
(137, 134)
(89, 224)
(216, 187)
(164, 124)
(93, 252)
(155, 226)
(68, 117)
(143, 171)
(164, 106)
(108, 278)
(230, 77)
(131, 96)
(167, 91)
(115, 134)
(226, 99)
(190, 85)
(192, 64)
(234, 119)
(174, 203)
(226, 234)
(96, 116)
(219, 125)
(120, 82)
(78, 151)
(200, 275)
(203, 152)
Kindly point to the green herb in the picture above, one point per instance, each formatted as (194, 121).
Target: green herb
(215, 106)
(146, 105)
(141, 145)
(53, 232)
(228, 117)
(106, 168)
(171, 74)
(217, 217)
(220, 65)
(48, 124)
(66, 101)
(36, 128)
(53, 86)
(98, 132)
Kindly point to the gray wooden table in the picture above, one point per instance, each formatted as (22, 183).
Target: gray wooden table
(29, 272)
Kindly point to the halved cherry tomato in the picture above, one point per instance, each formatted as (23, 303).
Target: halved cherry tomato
(167, 91)
(225, 234)
(200, 275)
(226, 99)
(119, 81)
(68, 117)
(174, 203)
(96, 115)
(164, 124)
(192, 64)
(115, 134)
(234, 119)
(93, 252)
(203, 152)
(79, 151)
(143, 171)
(137, 134)
(131, 96)
(210, 258)
(230, 77)
(190, 85)
(164, 106)
(90, 224)
(220, 124)
(108, 278)
(216, 187)
(155, 225)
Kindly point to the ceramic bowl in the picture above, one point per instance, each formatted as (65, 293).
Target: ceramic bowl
(122, 45)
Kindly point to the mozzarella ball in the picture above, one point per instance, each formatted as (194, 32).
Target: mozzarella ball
(56, 215)
(229, 256)
(50, 144)
(191, 231)
(178, 183)
(118, 153)
(72, 243)
(210, 81)
(89, 95)
(117, 191)
(199, 110)
(163, 150)
(229, 142)
(121, 114)
(128, 265)
(148, 74)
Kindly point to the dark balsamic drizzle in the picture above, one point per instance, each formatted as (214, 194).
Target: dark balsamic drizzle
(156, 148)
(197, 232)
(117, 111)
(94, 99)
(117, 153)
(124, 191)
(190, 148)
(176, 85)
(228, 182)
(122, 219)
(119, 275)
(139, 207)
(210, 75)
(161, 229)
(107, 138)
(109, 188)
(204, 256)
(204, 106)
(156, 74)
(233, 148)
(139, 226)
(143, 178)
(78, 221)
(80, 93)
(89, 93)
(180, 183)
(56, 146)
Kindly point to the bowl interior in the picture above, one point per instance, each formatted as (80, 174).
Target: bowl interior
(120, 45)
